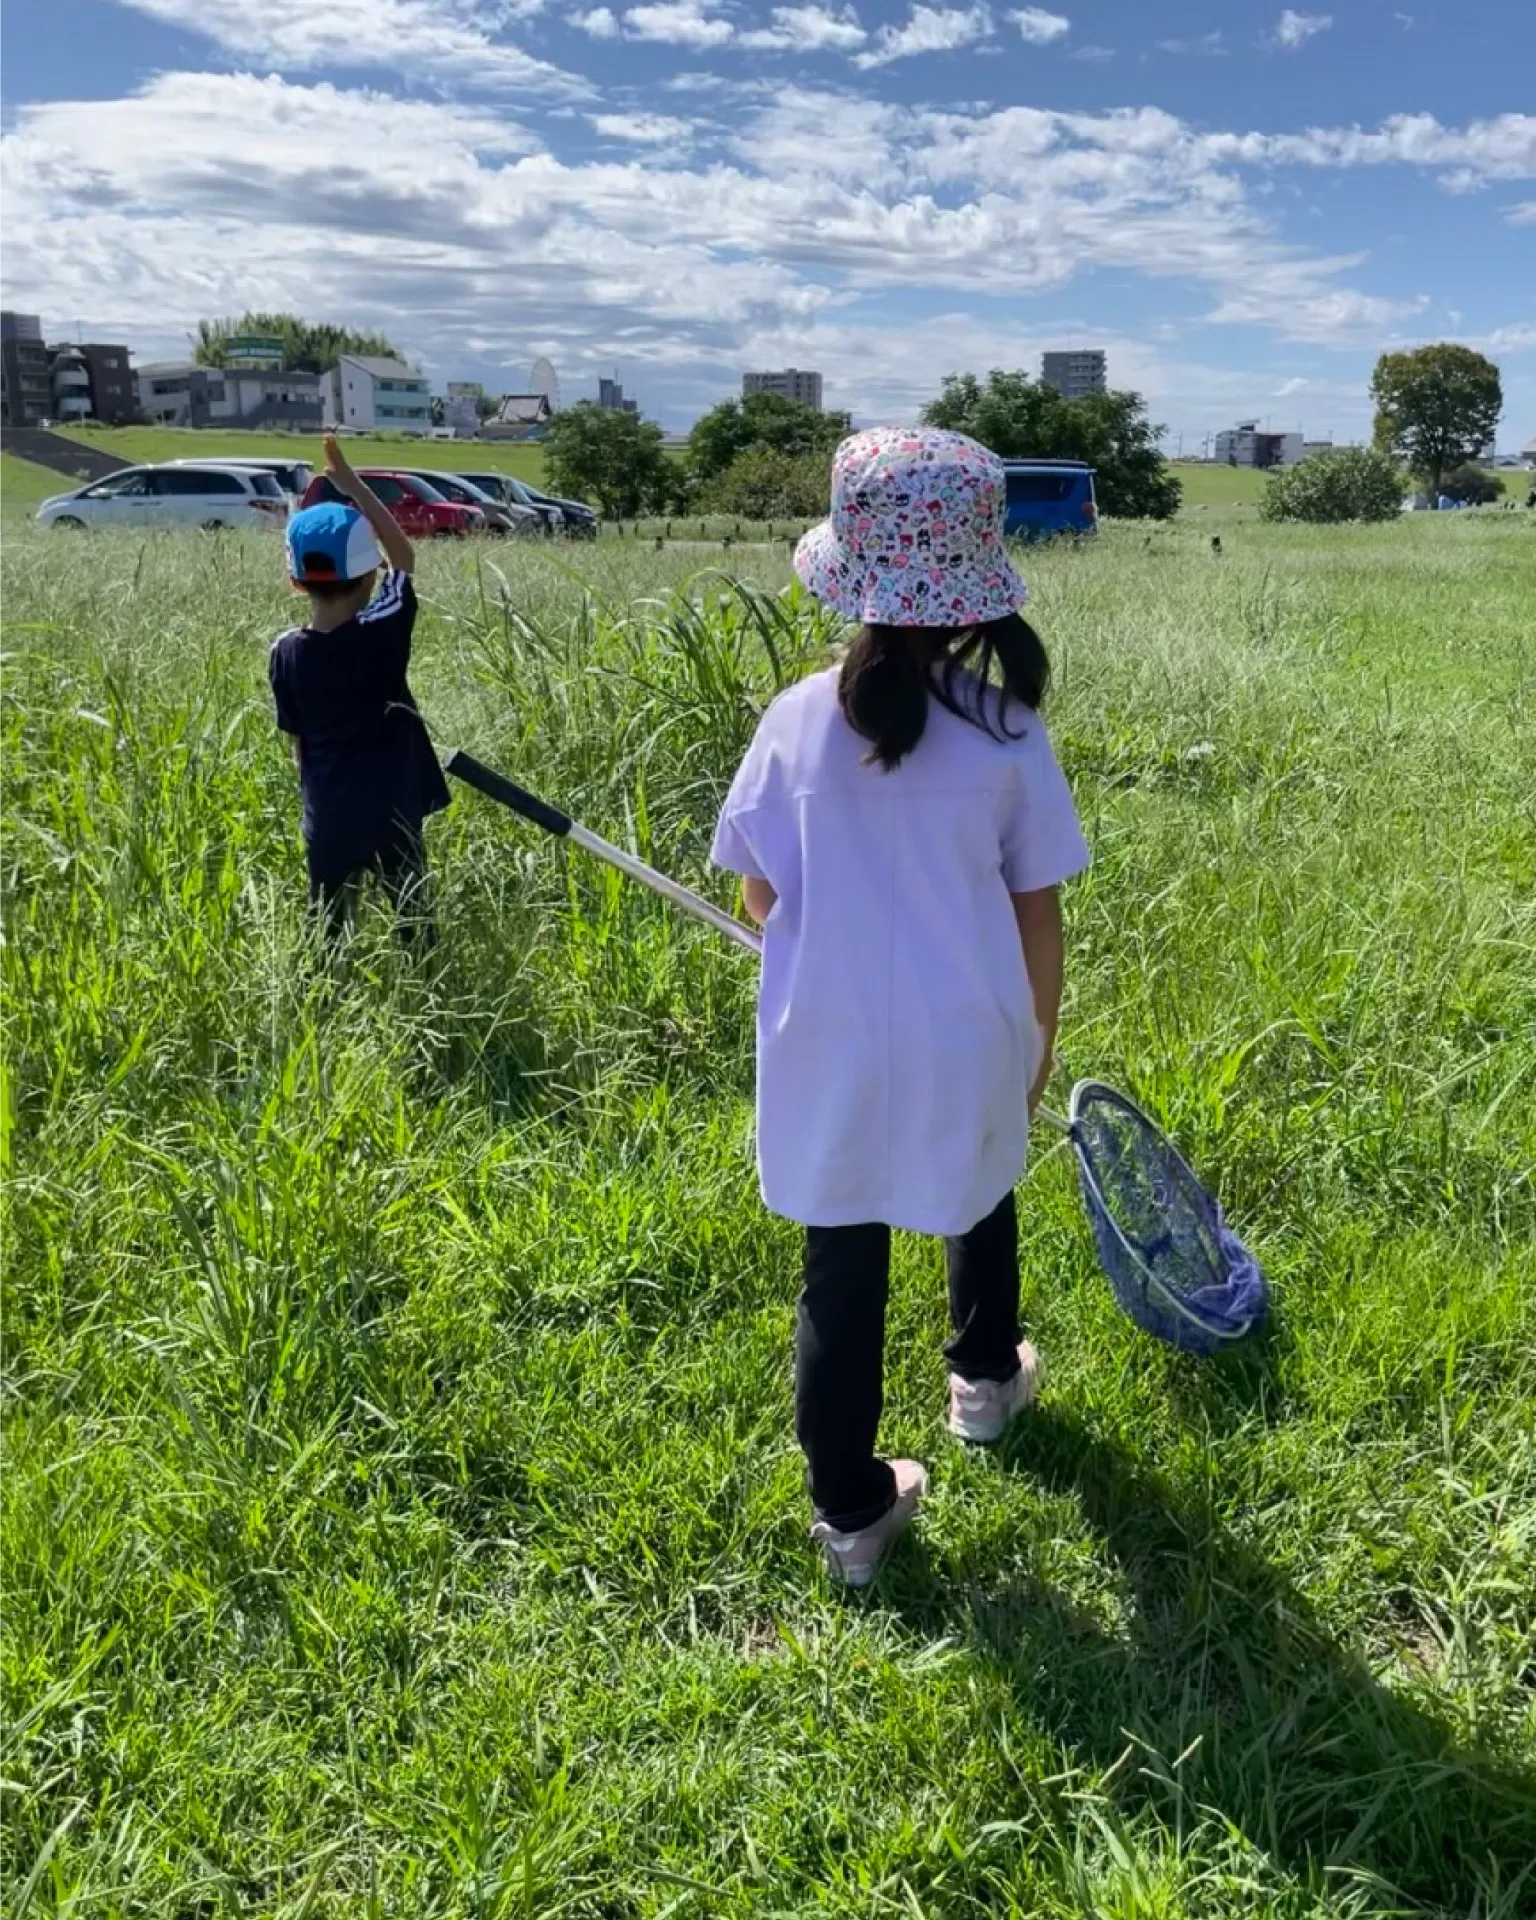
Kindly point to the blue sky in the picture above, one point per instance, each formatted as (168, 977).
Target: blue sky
(1243, 203)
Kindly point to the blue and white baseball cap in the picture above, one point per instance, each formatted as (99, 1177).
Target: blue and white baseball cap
(330, 542)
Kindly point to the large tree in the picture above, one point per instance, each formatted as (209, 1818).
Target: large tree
(1023, 419)
(309, 346)
(763, 420)
(1436, 407)
(611, 456)
(763, 484)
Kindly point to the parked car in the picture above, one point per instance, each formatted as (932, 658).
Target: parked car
(293, 476)
(207, 496)
(580, 519)
(422, 511)
(516, 494)
(500, 516)
(1049, 497)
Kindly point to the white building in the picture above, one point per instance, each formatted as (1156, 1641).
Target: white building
(1246, 445)
(1081, 371)
(369, 394)
(180, 393)
(790, 383)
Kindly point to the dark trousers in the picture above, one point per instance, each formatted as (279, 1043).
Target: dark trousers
(840, 1349)
(400, 866)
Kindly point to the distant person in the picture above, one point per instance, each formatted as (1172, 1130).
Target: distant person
(366, 767)
(901, 828)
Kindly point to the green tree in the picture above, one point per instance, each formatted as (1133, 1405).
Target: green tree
(308, 346)
(1023, 419)
(610, 456)
(1474, 485)
(1436, 407)
(1350, 483)
(764, 484)
(762, 420)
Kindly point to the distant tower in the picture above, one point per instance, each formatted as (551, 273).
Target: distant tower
(545, 380)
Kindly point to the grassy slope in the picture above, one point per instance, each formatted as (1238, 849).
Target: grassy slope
(22, 483)
(189, 443)
(1211, 486)
(402, 1515)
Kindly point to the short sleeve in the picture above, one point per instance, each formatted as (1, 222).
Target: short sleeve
(287, 719)
(733, 844)
(1042, 843)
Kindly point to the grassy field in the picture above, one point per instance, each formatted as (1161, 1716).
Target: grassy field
(402, 1515)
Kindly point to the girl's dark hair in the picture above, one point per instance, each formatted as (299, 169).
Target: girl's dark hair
(889, 674)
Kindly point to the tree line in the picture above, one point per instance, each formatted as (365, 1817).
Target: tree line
(767, 458)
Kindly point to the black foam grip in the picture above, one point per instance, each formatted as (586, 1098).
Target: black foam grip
(497, 786)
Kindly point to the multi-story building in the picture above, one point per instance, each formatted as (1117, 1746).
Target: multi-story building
(368, 393)
(1246, 446)
(67, 382)
(179, 393)
(612, 398)
(114, 397)
(1075, 373)
(790, 383)
(26, 384)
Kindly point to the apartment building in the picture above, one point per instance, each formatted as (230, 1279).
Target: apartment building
(368, 393)
(1076, 372)
(790, 383)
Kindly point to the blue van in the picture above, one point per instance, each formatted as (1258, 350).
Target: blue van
(1050, 497)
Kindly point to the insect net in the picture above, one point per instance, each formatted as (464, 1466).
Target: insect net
(1174, 1264)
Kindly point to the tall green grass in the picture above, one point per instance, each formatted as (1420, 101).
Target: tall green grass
(401, 1512)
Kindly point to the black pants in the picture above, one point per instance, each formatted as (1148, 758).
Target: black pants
(840, 1349)
(401, 868)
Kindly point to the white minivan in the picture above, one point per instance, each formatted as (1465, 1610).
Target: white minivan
(293, 476)
(209, 496)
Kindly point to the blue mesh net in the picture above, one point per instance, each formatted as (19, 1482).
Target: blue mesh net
(1175, 1266)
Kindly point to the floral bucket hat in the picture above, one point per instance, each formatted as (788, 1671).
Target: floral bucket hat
(915, 538)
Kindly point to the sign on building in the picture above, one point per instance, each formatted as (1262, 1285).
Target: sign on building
(255, 353)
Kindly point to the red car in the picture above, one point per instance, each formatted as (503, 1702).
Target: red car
(422, 511)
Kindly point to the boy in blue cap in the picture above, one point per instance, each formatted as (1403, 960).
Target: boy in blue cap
(366, 767)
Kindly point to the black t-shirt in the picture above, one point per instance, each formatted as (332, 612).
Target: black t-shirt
(366, 765)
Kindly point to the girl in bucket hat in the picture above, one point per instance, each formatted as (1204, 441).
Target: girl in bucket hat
(902, 827)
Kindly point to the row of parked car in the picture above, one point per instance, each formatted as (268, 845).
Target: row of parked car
(232, 493)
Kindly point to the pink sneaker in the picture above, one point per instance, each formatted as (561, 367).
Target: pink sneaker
(854, 1558)
(981, 1410)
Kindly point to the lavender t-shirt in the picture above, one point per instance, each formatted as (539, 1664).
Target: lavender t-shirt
(896, 1033)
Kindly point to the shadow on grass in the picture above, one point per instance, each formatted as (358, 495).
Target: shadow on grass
(1234, 1697)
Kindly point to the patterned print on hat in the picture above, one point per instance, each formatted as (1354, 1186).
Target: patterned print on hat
(916, 533)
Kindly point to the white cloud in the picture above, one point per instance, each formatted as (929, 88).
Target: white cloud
(809, 30)
(206, 193)
(643, 129)
(678, 23)
(1293, 29)
(601, 22)
(1205, 46)
(400, 35)
(1040, 27)
(1092, 53)
(1519, 338)
(929, 30)
(1521, 214)
(1503, 148)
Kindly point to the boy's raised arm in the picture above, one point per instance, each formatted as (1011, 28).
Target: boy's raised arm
(396, 548)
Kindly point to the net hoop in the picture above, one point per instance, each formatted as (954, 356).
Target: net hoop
(1100, 1092)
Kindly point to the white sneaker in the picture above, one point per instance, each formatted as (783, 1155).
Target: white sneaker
(854, 1558)
(981, 1410)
